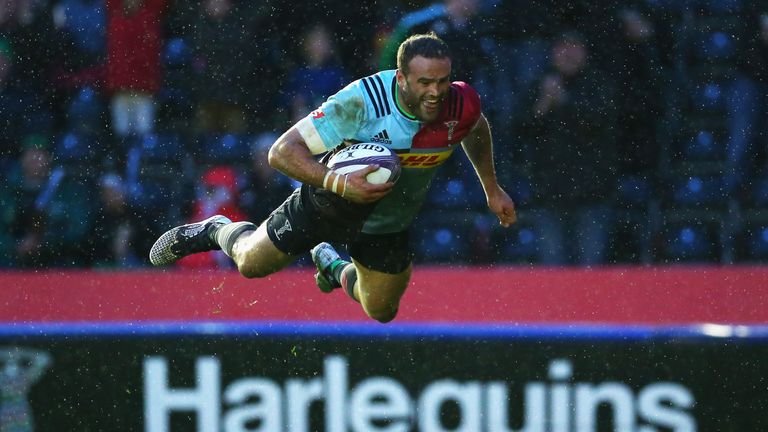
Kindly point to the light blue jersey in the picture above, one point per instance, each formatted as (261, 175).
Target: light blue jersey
(367, 111)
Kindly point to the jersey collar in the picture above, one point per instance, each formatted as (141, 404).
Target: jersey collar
(395, 96)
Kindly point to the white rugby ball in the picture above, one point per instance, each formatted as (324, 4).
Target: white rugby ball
(359, 156)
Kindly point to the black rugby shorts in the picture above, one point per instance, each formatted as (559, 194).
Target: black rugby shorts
(297, 226)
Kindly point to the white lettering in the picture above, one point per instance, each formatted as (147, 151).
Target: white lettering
(160, 400)
(656, 405)
(560, 399)
(336, 368)
(380, 399)
(498, 408)
(267, 411)
(299, 396)
(590, 397)
(382, 404)
(467, 397)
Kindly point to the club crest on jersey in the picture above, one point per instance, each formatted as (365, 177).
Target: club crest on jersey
(317, 114)
(451, 125)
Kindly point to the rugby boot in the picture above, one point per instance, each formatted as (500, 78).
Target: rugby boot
(326, 259)
(184, 240)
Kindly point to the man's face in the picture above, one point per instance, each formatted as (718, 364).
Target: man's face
(424, 89)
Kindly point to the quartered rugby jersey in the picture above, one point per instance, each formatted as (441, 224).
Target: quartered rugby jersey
(366, 111)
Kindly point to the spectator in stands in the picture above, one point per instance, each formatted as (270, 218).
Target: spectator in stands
(53, 207)
(20, 106)
(235, 67)
(747, 103)
(26, 192)
(636, 66)
(571, 126)
(217, 193)
(452, 21)
(320, 75)
(80, 31)
(265, 188)
(35, 46)
(133, 74)
(119, 237)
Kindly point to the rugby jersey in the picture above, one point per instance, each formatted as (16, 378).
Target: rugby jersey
(366, 111)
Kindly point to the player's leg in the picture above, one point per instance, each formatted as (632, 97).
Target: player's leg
(256, 251)
(249, 247)
(256, 255)
(379, 293)
(377, 277)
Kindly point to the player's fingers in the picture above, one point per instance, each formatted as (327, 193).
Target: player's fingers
(507, 217)
(369, 169)
(384, 187)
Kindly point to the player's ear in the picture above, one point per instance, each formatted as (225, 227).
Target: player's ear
(400, 79)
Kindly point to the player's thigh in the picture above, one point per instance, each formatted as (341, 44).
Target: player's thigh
(380, 292)
(383, 265)
(257, 256)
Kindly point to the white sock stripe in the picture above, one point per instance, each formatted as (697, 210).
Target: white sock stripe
(345, 186)
(325, 179)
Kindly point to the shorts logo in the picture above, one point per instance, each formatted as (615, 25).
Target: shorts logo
(280, 231)
(317, 114)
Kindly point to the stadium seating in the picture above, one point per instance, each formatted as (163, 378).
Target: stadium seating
(698, 191)
(215, 149)
(704, 145)
(691, 240)
(444, 236)
(74, 148)
(176, 53)
(517, 245)
(163, 148)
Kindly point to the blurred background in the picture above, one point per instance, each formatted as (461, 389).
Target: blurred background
(627, 132)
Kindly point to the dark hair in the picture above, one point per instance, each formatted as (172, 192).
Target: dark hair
(426, 45)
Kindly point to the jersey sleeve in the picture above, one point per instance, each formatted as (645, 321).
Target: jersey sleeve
(472, 107)
(336, 120)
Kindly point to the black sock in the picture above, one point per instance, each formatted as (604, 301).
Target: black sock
(226, 235)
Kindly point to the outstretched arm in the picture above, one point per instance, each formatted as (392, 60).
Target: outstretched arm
(478, 146)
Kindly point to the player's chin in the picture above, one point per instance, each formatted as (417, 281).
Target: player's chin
(428, 115)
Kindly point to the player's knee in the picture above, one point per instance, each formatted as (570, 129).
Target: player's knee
(383, 315)
(252, 272)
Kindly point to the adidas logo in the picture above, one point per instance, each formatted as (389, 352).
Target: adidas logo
(381, 137)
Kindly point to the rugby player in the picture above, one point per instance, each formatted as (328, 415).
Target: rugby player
(417, 112)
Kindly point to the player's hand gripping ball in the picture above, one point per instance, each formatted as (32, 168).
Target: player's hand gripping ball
(359, 156)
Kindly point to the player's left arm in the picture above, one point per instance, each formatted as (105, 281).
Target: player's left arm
(478, 145)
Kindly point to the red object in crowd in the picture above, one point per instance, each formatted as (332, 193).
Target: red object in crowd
(216, 177)
(134, 46)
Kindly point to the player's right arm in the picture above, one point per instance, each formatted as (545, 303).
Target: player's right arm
(294, 152)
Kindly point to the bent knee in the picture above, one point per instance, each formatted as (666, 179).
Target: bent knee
(253, 272)
(384, 315)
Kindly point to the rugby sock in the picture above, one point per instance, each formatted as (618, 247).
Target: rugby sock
(348, 278)
(226, 235)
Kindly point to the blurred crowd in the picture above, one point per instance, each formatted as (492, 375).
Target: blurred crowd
(628, 132)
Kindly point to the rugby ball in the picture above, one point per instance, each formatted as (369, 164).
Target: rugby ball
(359, 156)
